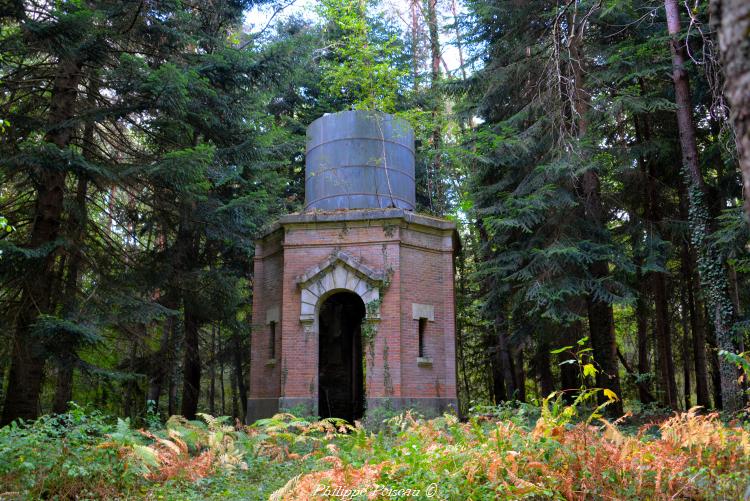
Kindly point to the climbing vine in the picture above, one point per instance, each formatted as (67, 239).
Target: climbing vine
(716, 288)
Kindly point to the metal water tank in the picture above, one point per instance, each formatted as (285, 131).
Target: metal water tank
(357, 160)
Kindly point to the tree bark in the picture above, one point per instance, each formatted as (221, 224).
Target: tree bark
(731, 20)
(505, 365)
(543, 370)
(713, 358)
(161, 360)
(239, 375)
(641, 313)
(600, 316)
(697, 326)
(665, 360)
(212, 374)
(191, 365)
(434, 180)
(221, 380)
(713, 275)
(519, 373)
(685, 351)
(413, 7)
(64, 387)
(28, 353)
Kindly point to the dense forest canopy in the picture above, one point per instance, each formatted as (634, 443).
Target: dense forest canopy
(591, 152)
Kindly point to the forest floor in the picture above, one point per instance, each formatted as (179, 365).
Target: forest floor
(507, 452)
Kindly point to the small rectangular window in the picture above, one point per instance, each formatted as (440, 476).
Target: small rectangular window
(422, 329)
(272, 340)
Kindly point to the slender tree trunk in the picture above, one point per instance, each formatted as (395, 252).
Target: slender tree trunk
(663, 336)
(519, 373)
(459, 43)
(161, 360)
(568, 372)
(600, 316)
(641, 313)
(235, 391)
(713, 275)
(603, 343)
(212, 374)
(697, 326)
(504, 359)
(64, 386)
(499, 392)
(436, 192)
(731, 20)
(413, 7)
(239, 375)
(28, 353)
(665, 361)
(685, 350)
(713, 359)
(191, 365)
(543, 370)
(460, 328)
(173, 368)
(221, 379)
(128, 402)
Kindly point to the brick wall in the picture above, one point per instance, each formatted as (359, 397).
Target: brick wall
(419, 264)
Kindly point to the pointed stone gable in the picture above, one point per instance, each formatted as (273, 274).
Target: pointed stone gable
(340, 271)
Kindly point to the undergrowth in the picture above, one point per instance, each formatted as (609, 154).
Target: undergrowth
(505, 452)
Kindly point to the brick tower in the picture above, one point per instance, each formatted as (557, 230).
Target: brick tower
(353, 303)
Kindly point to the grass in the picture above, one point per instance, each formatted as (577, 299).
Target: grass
(506, 452)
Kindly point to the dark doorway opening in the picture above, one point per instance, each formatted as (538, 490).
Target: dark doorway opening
(341, 364)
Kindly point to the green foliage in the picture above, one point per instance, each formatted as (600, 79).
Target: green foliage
(359, 68)
(60, 456)
(503, 451)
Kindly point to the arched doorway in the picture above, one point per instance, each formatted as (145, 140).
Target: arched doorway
(341, 364)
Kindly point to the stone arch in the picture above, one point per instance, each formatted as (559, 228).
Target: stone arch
(339, 272)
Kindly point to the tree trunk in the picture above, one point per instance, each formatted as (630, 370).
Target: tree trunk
(519, 373)
(713, 358)
(713, 275)
(641, 313)
(64, 386)
(543, 370)
(685, 351)
(459, 44)
(413, 7)
(504, 359)
(499, 392)
(161, 360)
(221, 381)
(665, 361)
(434, 180)
(601, 329)
(568, 372)
(666, 381)
(239, 354)
(697, 326)
(212, 374)
(460, 330)
(191, 365)
(600, 316)
(235, 391)
(28, 353)
(731, 20)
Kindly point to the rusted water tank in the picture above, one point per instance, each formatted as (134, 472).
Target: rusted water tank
(358, 160)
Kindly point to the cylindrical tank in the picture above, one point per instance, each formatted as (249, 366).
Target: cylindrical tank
(359, 160)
